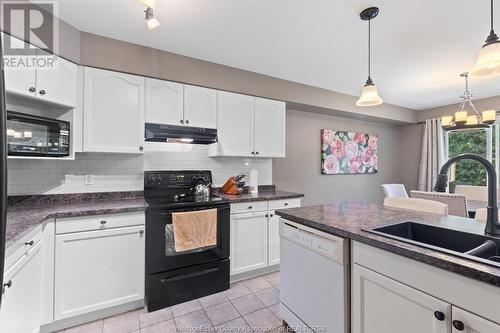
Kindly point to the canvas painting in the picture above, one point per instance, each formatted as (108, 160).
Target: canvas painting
(348, 152)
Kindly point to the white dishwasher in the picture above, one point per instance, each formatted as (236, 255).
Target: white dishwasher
(314, 288)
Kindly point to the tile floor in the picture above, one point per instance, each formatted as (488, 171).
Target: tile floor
(248, 306)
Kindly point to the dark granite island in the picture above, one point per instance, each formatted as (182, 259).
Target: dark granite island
(411, 279)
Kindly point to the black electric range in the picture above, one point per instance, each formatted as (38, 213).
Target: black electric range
(176, 277)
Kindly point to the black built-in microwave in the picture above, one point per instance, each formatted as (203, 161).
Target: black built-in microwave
(29, 135)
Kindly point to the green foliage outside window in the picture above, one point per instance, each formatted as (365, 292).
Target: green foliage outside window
(468, 172)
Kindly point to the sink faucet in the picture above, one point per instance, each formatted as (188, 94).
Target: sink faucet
(492, 225)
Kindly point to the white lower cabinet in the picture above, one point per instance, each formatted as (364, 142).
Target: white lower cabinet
(273, 235)
(464, 321)
(98, 269)
(20, 308)
(248, 242)
(380, 304)
(255, 236)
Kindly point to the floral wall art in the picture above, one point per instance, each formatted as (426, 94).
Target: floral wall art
(345, 152)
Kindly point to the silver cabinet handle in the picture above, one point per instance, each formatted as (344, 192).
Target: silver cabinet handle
(42, 92)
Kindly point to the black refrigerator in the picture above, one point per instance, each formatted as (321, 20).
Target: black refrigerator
(3, 168)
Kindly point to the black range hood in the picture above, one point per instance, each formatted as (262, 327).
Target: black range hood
(179, 134)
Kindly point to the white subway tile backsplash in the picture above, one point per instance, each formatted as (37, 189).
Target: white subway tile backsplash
(115, 172)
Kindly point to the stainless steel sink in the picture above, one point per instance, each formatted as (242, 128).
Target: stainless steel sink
(463, 244)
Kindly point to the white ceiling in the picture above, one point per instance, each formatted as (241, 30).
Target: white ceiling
(419, 48)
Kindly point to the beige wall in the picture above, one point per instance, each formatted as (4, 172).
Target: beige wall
(301, 170)
(103, 52)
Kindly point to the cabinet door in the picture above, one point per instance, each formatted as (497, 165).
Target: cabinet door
(200, 107)
(58, 84)
(273, 235)
(19, 81)
(164, 102)
(269, 128)
(95, 270)
(380, 304)
(472, 323)
(235, 124)
(248, 242)
(113, 119)
(20, 302)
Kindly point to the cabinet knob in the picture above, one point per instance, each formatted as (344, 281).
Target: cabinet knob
(30, 243)
(42, 92)
(250, 207)
(141, 232)
(187, 121)
(271, 215)
(256, 153)
(103, 222)
(267, 215)
(253, 153)
(181, 121)
(7, 284)
(459, 326)
(32, 89)
(286, 203)
(141, 148)
(439, 315)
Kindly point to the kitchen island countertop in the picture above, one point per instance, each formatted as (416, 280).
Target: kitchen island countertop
(350, 220)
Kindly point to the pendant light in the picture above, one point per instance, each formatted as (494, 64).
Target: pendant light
(488, 60)
(462, 121)
(369, 94)
(151, 21)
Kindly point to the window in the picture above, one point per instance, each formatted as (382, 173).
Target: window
(479, 142)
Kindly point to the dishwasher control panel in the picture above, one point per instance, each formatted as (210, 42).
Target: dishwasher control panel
(327, 245)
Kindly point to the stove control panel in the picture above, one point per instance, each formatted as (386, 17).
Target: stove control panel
(174, 179)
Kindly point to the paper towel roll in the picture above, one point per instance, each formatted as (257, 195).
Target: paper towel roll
(254, 183)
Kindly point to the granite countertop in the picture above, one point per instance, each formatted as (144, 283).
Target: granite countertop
(348, 220)
(25, 213)
(266, 192)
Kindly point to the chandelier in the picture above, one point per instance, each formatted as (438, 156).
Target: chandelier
(463, 121)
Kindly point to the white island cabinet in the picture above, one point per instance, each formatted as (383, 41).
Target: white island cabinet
(393, 294)
(113, 112)
(99, 263)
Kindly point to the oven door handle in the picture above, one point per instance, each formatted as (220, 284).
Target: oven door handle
(189, 275)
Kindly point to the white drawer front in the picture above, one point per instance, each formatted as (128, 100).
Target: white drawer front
(284, 203)
(248, 207)
(15, 251)
(99, 222)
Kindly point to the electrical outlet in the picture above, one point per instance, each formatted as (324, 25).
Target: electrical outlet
(89, 179)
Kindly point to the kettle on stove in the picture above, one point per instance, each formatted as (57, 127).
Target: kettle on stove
(201, 187)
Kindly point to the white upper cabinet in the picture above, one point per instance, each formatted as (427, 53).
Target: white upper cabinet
(200, 107)
(59, 84)
(19, 81)
(113, 114)
(235, 124)
(164, 102)
(249, 126)
(269, 128)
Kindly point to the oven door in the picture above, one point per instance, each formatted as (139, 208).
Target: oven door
(160, 251)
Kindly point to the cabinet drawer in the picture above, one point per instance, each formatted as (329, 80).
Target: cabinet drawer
(248, 207)
(15, 251)
(284, 203)
(98, 222)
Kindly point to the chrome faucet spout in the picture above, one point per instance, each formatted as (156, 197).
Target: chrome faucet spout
(492, 224)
